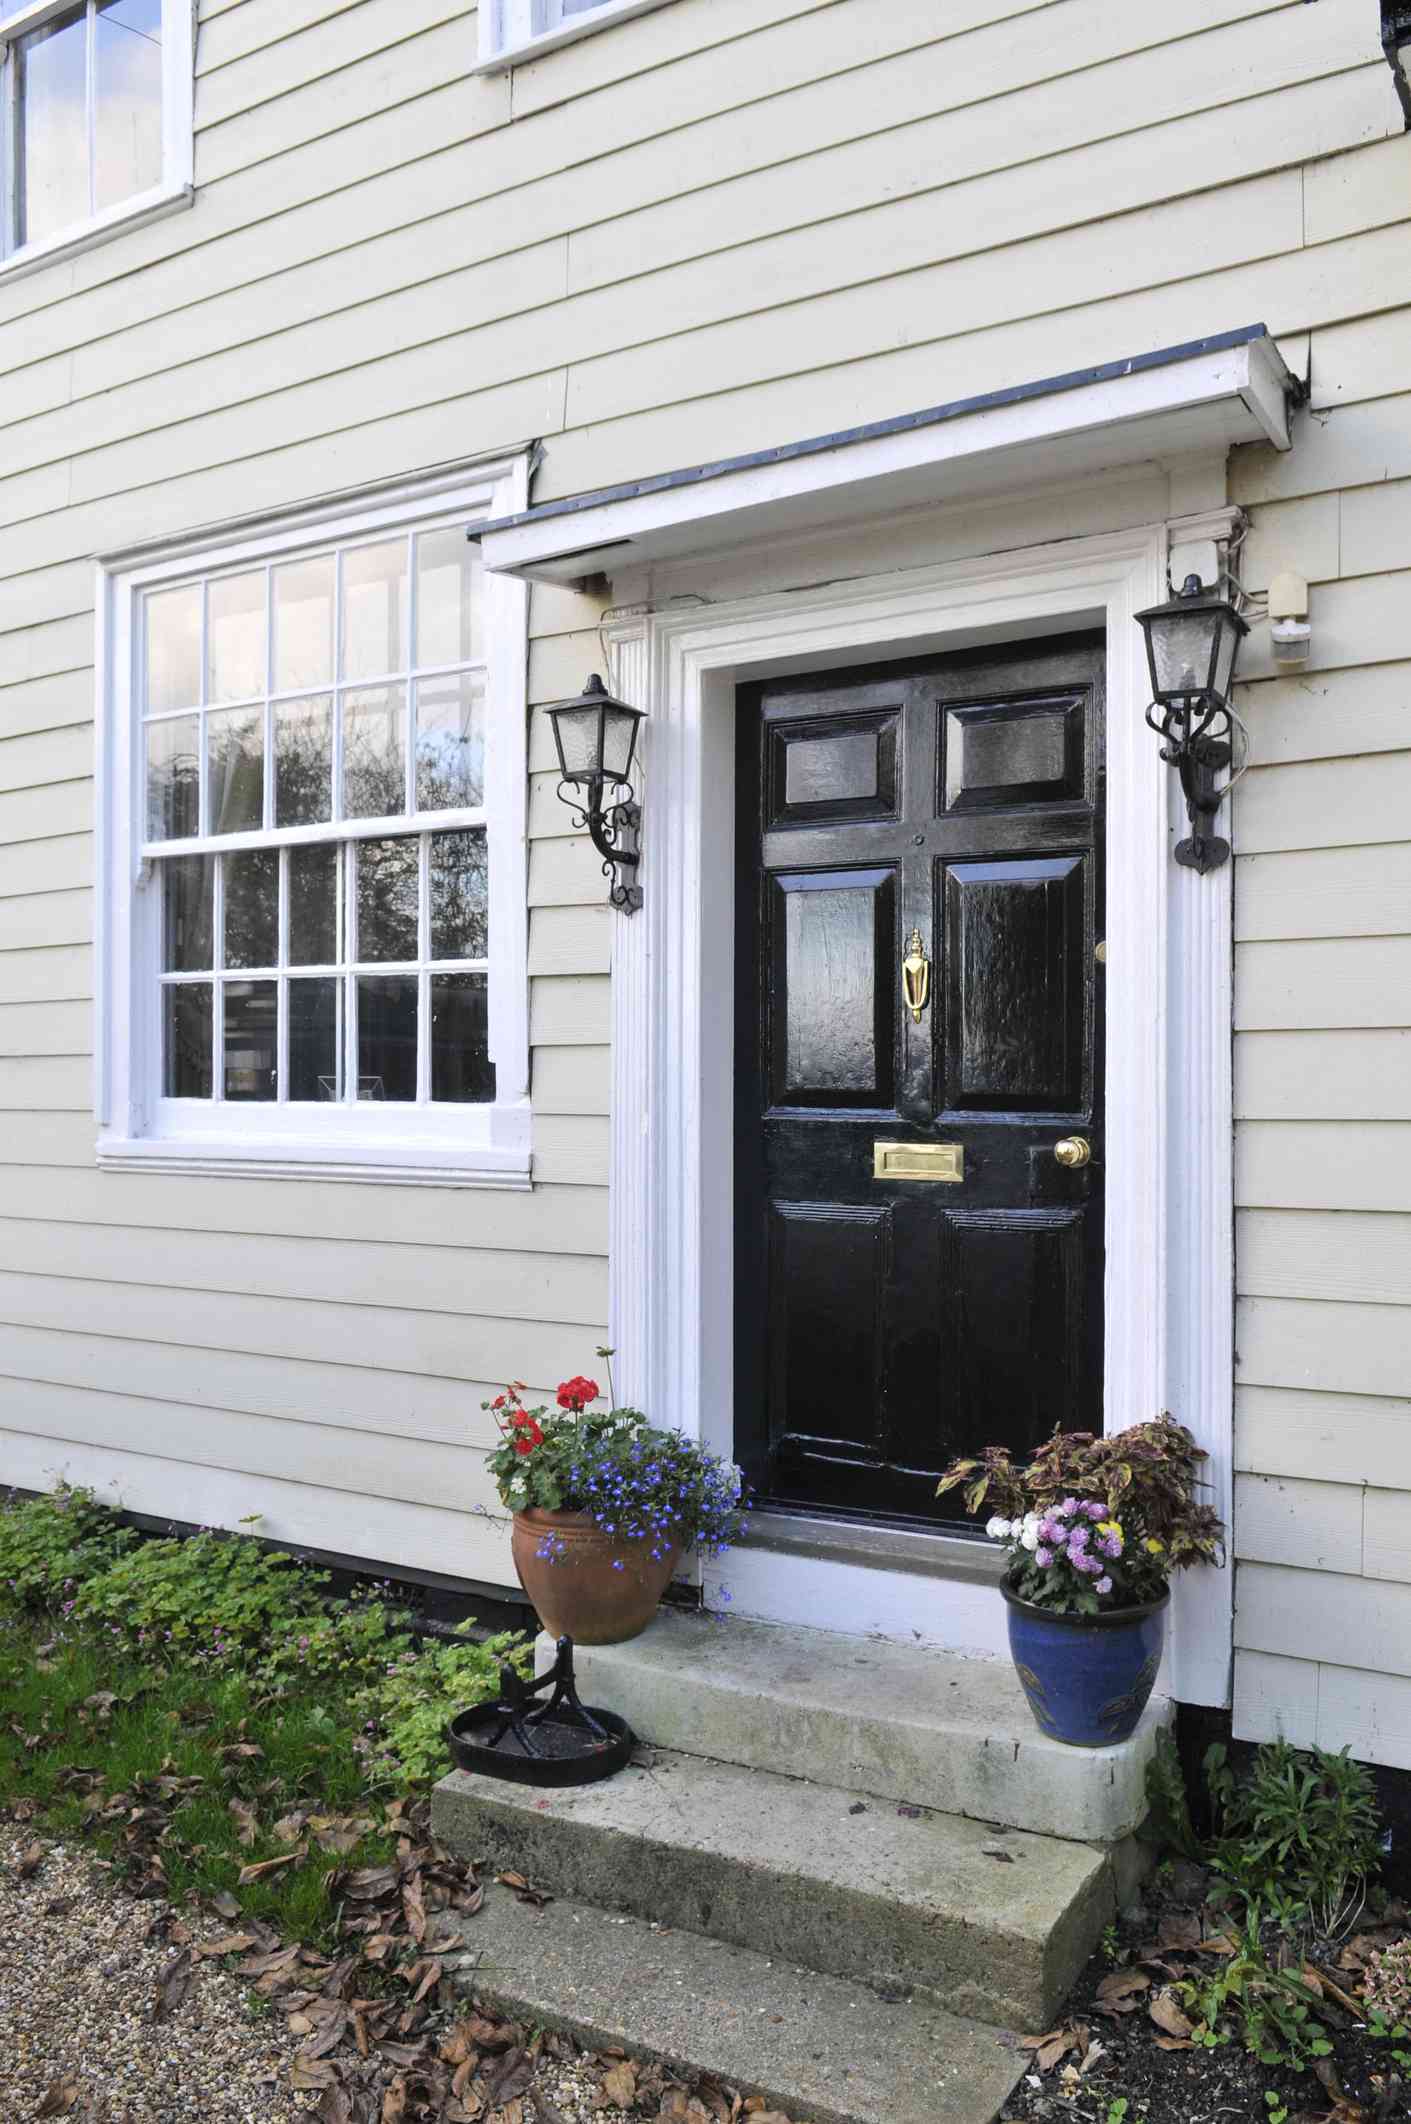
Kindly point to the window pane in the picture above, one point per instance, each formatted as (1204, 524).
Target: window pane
(447, 598)
(251, 1045)
(127, 117)
(174, 649)
(313, 906)
(461, 1068)
(187, 887)
(252, 907)
(450, 743)
(174, 779)
(374, 611)
(387, 899)
(186, 1041)
(313, 1040)
(235, 638)
(51, 89)
(235, 760)
(458, 895)
(374, 753)
(303, 624)
(303, 762)
(387, 1037)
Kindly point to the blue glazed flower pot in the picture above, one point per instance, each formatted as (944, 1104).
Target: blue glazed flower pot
(1087, 1677)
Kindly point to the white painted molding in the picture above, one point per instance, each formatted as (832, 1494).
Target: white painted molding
(1169, 1294)
(455, 1145)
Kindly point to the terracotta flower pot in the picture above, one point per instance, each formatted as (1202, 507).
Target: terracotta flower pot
(579, 1591)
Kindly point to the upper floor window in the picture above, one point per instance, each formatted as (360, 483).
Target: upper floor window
(519, 29)
(97, 118)
(321, 741)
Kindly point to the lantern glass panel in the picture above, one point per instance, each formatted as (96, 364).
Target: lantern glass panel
(1181, 645)
(619, 741)
(1226, 650)
(579, 736)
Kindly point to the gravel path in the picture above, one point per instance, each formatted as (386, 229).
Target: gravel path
(81, 1970)
(78, 1981)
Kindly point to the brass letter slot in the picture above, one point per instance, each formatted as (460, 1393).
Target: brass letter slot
(918, 1161)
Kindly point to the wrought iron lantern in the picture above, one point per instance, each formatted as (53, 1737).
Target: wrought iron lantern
(596, 738)
(1191, 644)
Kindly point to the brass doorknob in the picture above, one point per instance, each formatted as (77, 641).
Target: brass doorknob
(1073, 1151)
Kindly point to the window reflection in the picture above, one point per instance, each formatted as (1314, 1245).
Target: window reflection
(251, 1040)
(387, 1037)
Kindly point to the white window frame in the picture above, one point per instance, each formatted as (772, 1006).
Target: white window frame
(447, 1144)
(514, 31)
(176, 188)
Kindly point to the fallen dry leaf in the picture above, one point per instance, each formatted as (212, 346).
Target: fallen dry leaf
(620, 2085)
(1122, 1984)
(1168, 2016)
(171, 1986)
(266, 1866)
(30, 1862)
(58, 2098)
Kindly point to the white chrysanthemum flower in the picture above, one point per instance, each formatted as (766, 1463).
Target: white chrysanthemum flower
(997, 1529)
(1029, 1531)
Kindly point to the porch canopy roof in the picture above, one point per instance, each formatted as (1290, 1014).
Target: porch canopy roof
(1177, 402)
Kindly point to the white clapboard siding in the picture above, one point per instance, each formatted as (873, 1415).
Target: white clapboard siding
(572, 1149)
(1324, 1615)
(1316, 1165)
(1367, 359)
(1292, 1342)
(1315, 1525)
(567, 940)
(405, 1405)
(336, 1456)
(60, 863)
(38, 1029)
(47, 918)
(1322, 715)
(1363, 189)
(566, 1012)
(1343, 1254)
(1346, 446)
(453, 1346)
(46, 975)
(1366, 1712)
(1325, 892)
(571, 1080)
(1320, 1076)
(35, 1084)
(416, 1538)
(63, 1186)
(1387, 1540)
(34, 1142)
(357, 1274)
(1277, 1698)
(1353, 1438)
(1323, 982)
(1309, 527)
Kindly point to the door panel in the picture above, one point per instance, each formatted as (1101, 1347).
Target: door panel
(885, 1325)
(1014, 979)
(830, 1038)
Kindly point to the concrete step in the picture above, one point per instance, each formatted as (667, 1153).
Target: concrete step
(994, 1926)
(866, 1715)
(820, 2049)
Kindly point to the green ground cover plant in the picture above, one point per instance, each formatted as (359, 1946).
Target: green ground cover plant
(203, 1713)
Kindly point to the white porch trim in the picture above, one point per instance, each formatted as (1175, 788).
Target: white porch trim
(1169, 1096)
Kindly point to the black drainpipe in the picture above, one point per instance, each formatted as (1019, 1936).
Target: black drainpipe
(1396, 32)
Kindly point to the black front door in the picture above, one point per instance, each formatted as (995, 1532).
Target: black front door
(920, 1031)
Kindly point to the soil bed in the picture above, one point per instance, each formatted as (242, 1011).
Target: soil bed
(1110, 2048)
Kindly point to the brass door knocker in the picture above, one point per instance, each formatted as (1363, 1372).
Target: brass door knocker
(916, 976)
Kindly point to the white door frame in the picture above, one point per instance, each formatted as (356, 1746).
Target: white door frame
(1170, 1271)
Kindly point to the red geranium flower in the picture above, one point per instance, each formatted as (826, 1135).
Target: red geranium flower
(575, 1394)
(530, 1436)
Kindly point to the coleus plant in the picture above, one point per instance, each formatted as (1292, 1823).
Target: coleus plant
(1095, 1523)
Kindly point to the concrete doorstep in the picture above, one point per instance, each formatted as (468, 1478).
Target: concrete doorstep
(987, 1923)
(820, 2049)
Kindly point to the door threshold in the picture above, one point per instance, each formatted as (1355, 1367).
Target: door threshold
(872, 1546)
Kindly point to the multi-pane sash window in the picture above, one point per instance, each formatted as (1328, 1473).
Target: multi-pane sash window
(301, 721)
(511, 26)
(325, 947)
(94, 97)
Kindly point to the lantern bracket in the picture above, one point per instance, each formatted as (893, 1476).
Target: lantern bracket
(614, 830)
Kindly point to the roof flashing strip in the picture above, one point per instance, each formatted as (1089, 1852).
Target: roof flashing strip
(569, 538)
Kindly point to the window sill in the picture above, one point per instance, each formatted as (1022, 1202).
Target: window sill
(571, 33)
(390, 1163)
(72, 243)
